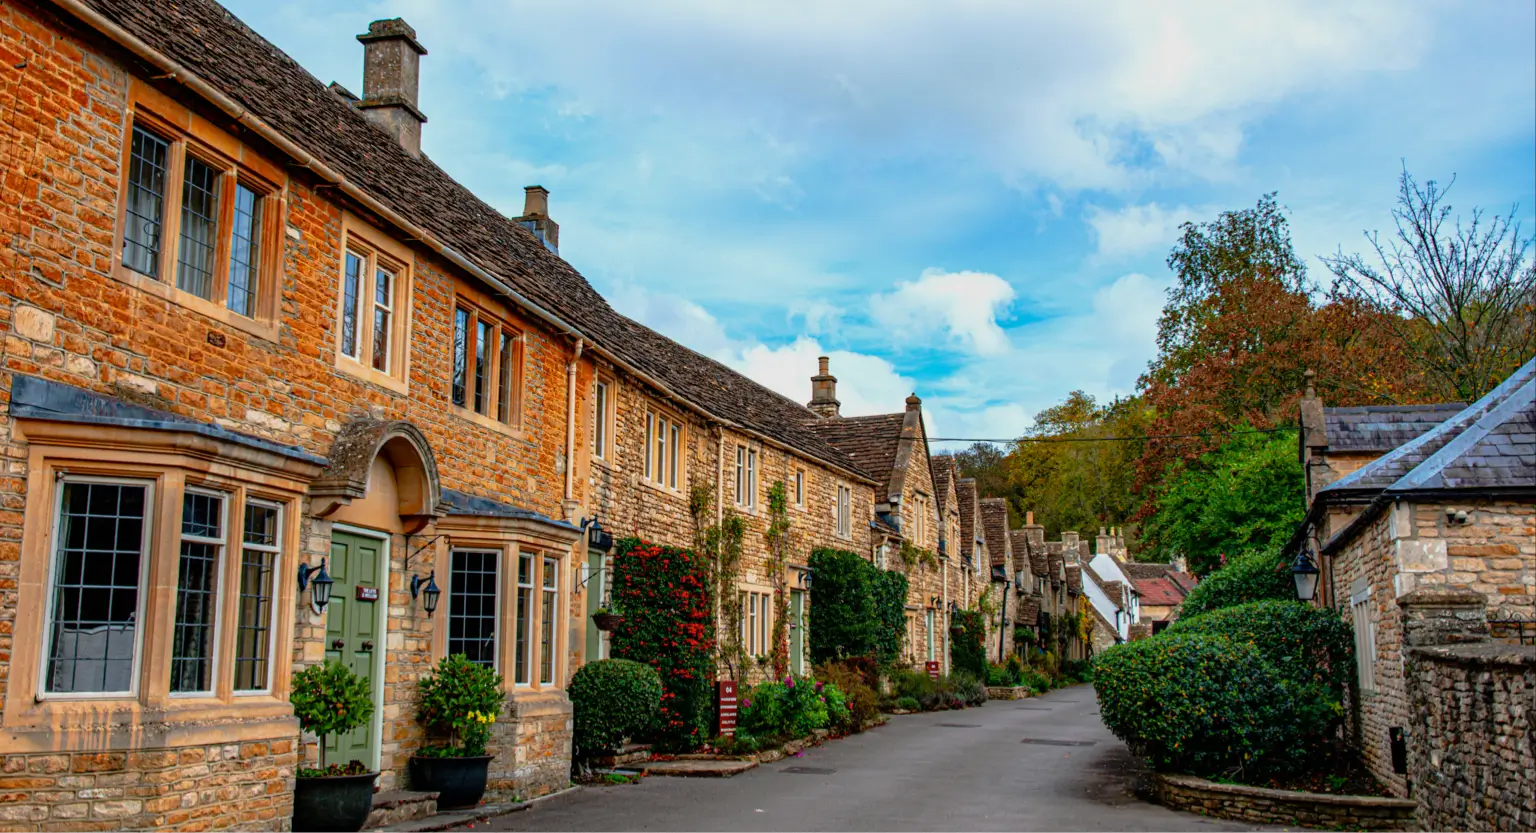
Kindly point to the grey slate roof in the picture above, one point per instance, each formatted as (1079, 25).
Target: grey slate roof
(37, 398)
(455, 502)
(994, 522)
(1489, 444)
(210, 42)
(1381, 428)
(869, 441)
(943, 475)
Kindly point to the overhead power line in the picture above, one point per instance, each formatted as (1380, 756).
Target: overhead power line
(1199, 435)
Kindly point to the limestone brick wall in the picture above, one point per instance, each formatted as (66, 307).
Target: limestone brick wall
(244, 785)
(1259, 805)
(1471, 758)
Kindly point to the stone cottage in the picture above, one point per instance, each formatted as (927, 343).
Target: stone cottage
(1450, 509)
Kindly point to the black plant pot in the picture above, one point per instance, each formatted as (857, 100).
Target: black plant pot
(606, 622)
(339, 802)
(458, 782)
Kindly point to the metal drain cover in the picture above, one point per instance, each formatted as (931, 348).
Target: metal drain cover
(807, 770)
(1050, 742)
(961, 725)
(1032, 708)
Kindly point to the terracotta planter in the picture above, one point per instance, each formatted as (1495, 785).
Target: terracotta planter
(339, 802)
(606, 622)
(458, 782)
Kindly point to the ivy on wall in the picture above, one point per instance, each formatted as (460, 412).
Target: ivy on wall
(663, 595)
(966, 652)
(720, 545)
(781, 541)
(857, 609)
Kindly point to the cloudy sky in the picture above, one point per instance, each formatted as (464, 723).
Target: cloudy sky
(972, 200)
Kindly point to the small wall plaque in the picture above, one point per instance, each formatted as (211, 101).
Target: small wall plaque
(367, 594)
(215, 339)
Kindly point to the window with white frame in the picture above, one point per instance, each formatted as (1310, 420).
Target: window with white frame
(1365, 638)
(522, 643)
(372, 289)
(487, 372)
(664, 453)
(799, 488)
(843, 511)
(602, 416)
(197, 580)
(746, 476)
(258, 573)
(756, 622)
(473, 609)
(549, 607)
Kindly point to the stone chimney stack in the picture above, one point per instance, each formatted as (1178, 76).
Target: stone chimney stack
(1069, 540)
(913, 403)
(391, 69)
(536, 217)
(824, 392)
(1105, 543)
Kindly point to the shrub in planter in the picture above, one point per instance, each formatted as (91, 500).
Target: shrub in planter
(458, 703)
(613, 700)
(1199, 704)
(1248, 578)
(329, 699)
(862, 703)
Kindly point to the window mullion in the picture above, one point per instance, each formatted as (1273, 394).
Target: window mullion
(219, 293)
(170, 229)
(365, 286)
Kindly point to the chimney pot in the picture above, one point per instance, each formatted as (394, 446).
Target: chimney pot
(536, 217)
(824, 391)
(1029, 518)
(391, 71)
(913, 403)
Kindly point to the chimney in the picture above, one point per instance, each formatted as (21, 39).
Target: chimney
(824, 392)
(913, 403)
(1105, 542)
(391, 68)
(536, 217)
(1069, 539)
(1029, 518)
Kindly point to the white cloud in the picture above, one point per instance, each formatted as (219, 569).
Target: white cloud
(676, 317)
(1135, 229)
(963, 305)
(866, 384)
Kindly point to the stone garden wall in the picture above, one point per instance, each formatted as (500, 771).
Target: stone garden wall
(1258, 805)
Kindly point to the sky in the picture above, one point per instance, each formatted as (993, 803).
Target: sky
(970, 200)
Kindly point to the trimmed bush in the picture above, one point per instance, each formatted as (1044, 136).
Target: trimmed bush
(1200, 704)
(966, 653)
(1253, 577)
(1306, 644)
(857, 609)
(613, 700)
(908, 704)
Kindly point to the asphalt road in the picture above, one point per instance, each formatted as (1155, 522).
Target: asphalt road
(957, 770)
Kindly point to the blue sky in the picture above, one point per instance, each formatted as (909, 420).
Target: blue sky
(970, 200)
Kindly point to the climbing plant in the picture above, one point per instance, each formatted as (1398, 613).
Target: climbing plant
(780, 539)
(913, 556)
(720, 545)
(966, 652)
(857, 609)
(664, 596)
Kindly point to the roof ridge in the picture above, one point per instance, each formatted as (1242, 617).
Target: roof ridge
(1495, 413)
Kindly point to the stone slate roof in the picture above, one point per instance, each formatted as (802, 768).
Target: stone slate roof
(965, 490)
(1029, 611)
(1023, 553)
(455, 502)
(1075, 578)
(943, 474)
(869, 441)
(1490, 444)
(1159, 591)
(1381, 428)
(994, 521)
(1185, 581)
(1039, 564)
(1054, 560)
(1114, 594)
(216, 46)
(1136, 570)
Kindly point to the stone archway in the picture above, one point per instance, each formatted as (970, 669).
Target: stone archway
(399, 443)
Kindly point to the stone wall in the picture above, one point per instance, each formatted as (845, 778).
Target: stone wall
(1258, 805)
(1471, 745)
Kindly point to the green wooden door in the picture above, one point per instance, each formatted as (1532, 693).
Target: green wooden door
(596, 594)
(797, 631)
(351, 632)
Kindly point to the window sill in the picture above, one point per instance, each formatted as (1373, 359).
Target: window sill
(353, 367)
(666, 490)
(513, 431)
(265, 330)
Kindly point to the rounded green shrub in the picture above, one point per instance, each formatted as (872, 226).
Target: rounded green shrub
(1308, 645)
(613, 700)
(1200, 704)
(1253, 577)
(908, 704)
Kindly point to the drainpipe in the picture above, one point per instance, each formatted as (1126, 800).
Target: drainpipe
(570, 432)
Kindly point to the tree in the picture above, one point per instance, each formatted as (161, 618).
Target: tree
(1247, 495)
(1461, 302)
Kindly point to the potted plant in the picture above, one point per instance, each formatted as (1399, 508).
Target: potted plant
(605, 619)
(460, 701)
(329, 699)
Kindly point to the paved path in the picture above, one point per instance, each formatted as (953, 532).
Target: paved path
(957, 770)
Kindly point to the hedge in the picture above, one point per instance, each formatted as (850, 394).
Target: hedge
(857, 609)
(966, 652)
(662, 596)
(1201, 704)
(1248, 578)
(1306, 644)
(613, 700)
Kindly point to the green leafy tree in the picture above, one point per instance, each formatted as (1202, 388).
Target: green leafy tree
(1246, 495)
(329, 699)
(459, 702)
(1253, 577)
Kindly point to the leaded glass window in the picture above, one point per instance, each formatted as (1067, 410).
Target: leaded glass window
(460, 355)
(547, 610)
(383, 312)
(145, 214)
(351, 289)
(258, 569)
(522, 645)
(199, 227)
(483, 334)
(472, 609)
(202, 545)
(245, 251)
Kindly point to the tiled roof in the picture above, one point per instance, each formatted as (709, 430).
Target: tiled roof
(994, 520)
(869, 441)
(943, 475)
(1055, 562)
(1143, 569)
(1116, 592)
(455, 502)
(1075, 578)
(1029, 611)
(1023, 556)
(1382, 428)
(1159, 591)
(1185, 581)
(210, 42)
(965, 490)
(1489, 444)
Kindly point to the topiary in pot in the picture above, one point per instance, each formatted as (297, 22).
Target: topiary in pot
(459, 702)
(328, 700)
(613, 700)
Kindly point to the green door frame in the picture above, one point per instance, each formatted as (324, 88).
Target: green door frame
(797, 632)
(381, 627)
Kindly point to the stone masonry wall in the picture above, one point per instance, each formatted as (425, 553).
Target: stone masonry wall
(1258, 805)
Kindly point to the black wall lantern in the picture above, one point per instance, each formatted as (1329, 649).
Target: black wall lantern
(428, 591)
(1305, 572)
(321, 595)
(805, 577)
(597, 538)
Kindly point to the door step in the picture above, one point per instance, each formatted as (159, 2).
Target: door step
(632, 753)
(395, 806)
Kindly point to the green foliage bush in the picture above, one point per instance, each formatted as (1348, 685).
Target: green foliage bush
(663, 594)
(857, 609)
(966, 652)
(1201, 704)
(329, 699)
(863, 704)
(613, 700)
(908, 704)
(1252, 577)
(968, 689)
(789, 709)
(459, 701)
(953, 691)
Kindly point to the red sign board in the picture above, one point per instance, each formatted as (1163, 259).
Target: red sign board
(367, 594)
(726, 693)
(933, 668)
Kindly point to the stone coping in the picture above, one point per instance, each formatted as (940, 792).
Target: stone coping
(1484, 653)
(1263, 805)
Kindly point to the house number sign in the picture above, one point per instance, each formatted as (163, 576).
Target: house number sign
(367, 594)
(933, 668)
(726, 691)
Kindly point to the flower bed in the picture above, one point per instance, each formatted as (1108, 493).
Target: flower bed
(1262, 805)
